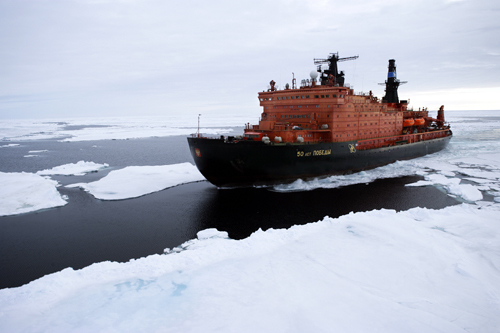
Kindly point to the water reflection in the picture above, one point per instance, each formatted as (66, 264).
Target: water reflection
(243, 211)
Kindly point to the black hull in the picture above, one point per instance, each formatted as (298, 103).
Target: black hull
(248, 163)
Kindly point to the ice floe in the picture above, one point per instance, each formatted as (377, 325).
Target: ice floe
(27, 192)
(135, 181)
(78, 169)
(466, 191)
(419, 270)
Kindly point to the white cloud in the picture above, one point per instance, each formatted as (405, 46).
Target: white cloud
(457, 99)
(133, 57)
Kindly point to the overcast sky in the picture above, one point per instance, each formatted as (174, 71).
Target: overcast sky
(62, 58)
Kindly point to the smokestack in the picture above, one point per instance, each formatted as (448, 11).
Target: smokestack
(392, 84)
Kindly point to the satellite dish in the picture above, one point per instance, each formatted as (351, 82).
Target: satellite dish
(313, 74)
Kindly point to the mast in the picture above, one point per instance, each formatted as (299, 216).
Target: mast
(331, 76)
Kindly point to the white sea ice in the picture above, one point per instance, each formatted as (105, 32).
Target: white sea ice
(394, 170)
(9, 145)
(27, 192)
(109, 128)
(135, 181)
(78, 169)
(420, 270)
(130, 132)
(452, 185)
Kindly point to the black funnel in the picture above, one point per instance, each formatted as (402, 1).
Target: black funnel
(392, 84)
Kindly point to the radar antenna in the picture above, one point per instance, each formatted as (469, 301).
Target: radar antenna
(331, 76)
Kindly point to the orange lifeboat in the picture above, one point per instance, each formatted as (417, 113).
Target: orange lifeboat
(408, 122)
(419, 121)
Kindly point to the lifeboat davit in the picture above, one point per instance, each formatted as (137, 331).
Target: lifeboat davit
(408, 122)
(419, 121)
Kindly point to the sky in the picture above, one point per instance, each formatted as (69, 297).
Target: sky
(67, 58)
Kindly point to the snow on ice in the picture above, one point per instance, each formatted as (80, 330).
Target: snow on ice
(78, 169)
(135, 181)
(419, 270)
(27, 192)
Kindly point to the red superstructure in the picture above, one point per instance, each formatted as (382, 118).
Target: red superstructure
(330, 112)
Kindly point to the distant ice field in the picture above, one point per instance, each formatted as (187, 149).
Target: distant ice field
(91, 129)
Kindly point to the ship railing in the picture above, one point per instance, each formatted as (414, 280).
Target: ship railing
(397, 140)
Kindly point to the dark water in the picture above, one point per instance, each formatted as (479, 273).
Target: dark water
(88, 230)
